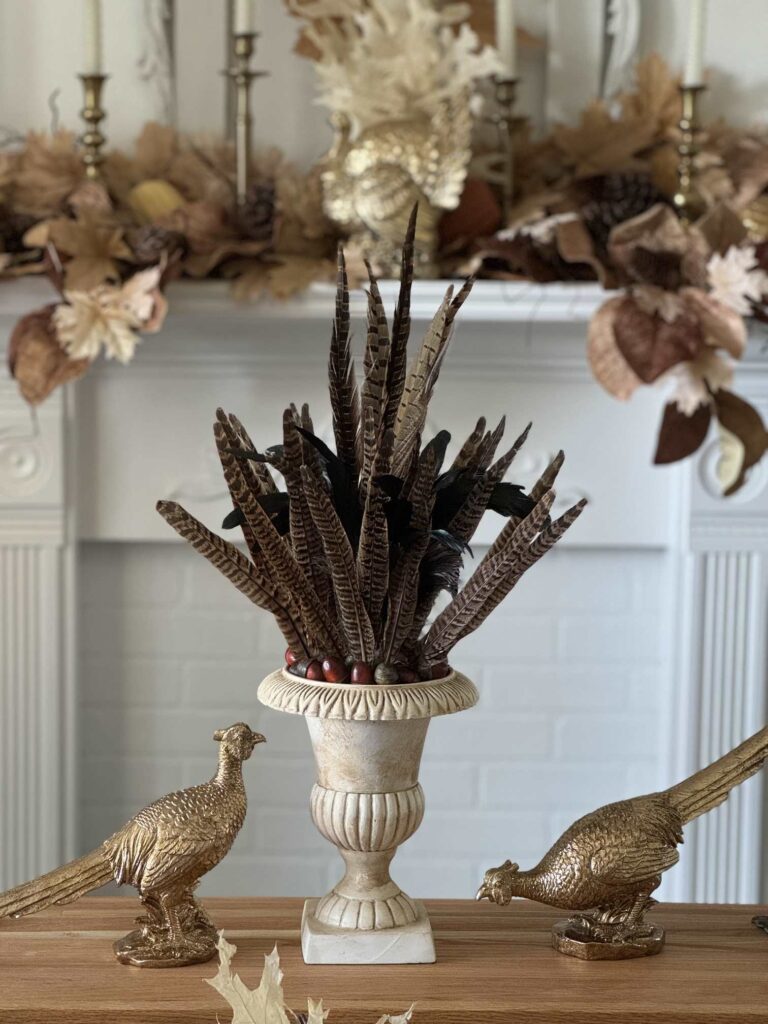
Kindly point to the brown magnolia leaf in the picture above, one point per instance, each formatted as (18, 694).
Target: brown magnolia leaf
(681, 435)
(736, 415)
(723, 327)
(748, 168)
(656, 96)
(657, 229)
(35, 358)
(575, 245)
(650, 345)
(722, 227)
(662, 269)
(730, 462)
(600, 144)
(608, 364)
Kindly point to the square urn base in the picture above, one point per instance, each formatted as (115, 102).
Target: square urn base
(408, 944)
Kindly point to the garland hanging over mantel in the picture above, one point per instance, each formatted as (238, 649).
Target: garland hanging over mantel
(593, 203)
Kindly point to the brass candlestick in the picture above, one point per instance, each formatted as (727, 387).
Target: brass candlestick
(242, 75)
(506, 125)
(687, 199)
(92, 113)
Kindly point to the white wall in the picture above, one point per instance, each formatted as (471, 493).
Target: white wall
(571, 670)
(41, 46)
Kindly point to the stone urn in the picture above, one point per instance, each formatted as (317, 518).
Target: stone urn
(367, 742)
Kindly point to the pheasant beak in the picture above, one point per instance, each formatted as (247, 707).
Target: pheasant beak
(219, 735)
(483, 893)
(258, 738)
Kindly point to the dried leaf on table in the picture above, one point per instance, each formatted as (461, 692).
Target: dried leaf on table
(36, 359)
(680, 435)
(656, 95)
(650, 345)
(609, 366)
(744, 421)
(599, 143)
(262, 1005)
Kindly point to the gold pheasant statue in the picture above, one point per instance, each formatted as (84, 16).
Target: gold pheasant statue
(163, 851)
(607, 864)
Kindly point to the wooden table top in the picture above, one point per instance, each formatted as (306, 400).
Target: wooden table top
(494, 965)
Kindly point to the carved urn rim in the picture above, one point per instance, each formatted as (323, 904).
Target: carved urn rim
(350, 702)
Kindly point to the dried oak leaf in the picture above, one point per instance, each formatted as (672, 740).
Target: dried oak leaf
(609, 366)
(681, 435)
(650, 345)
(723, 327)
(48, 170)
(656, 96)
(744, 421)
(93, 243)
(211, 236)
(599, 144)
(36, 359)
(722, 227)
(291, 274)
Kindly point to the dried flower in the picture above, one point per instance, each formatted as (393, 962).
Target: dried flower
(694, 380)
(735, 279)
(109, 317)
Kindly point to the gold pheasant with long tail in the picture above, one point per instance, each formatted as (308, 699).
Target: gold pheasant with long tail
(163, 851)
(608, 863)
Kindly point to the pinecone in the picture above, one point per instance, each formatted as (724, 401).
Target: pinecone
(610, 199)
(256, 219)
(150, 242)
(12, 229)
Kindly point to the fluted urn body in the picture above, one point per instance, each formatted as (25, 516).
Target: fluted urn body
(367, 801)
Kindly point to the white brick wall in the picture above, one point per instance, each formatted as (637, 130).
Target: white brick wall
(571, 668)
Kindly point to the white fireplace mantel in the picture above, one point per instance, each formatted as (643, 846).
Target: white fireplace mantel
(94, 459)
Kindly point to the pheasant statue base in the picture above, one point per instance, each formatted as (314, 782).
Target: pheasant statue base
(153, 945)
(605, 867)
(587, 939)
(163, 852)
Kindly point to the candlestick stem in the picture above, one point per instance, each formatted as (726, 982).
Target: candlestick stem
(92, 139)
(687, 199)
(242, 75)
(507, 125)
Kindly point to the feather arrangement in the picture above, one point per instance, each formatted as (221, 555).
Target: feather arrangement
(352, 551)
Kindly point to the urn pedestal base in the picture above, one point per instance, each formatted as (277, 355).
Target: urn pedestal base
(406, 944)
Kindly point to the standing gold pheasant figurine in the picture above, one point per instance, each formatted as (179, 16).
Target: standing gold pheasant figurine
(607, 864)
(163, 851)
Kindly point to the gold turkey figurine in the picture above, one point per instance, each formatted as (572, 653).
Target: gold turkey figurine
(163, 851)
(607, 864)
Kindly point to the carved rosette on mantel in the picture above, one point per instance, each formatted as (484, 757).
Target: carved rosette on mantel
(367, 801)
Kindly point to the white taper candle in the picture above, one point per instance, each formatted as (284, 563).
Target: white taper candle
(506, 40)
(93, 62)
(245, 16)
(694, 65)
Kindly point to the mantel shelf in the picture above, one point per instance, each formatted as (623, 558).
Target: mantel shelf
(497, 301)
